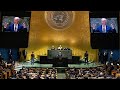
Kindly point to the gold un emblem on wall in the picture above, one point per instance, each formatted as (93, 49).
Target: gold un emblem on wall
(59, 20)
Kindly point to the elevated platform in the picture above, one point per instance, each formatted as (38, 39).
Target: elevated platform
(19, 65)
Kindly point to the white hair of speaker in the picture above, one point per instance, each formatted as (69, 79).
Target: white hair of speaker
(16, 18)
(103, 19)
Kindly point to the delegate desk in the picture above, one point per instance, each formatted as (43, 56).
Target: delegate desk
(65, 54)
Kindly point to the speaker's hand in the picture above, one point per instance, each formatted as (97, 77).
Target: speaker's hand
(5, 25)
(93, 26)
(112, 25)
(24, 25)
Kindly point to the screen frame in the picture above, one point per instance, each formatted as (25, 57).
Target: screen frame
(117, 30)
(103, 14)
(16, 14)
(11, 39)
(102, 40)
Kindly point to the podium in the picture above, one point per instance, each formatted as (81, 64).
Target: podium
(51, 54)
(60, 62)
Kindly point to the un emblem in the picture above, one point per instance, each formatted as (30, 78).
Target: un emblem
(59, 20)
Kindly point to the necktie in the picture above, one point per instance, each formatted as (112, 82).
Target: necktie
(104, 30)
(15, 28)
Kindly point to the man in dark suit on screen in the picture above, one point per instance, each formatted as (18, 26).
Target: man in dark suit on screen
(104, 28)
(15, 26)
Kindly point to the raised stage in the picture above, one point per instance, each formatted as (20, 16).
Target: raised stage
(19, 65)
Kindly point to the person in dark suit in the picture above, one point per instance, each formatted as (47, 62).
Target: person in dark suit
(24, 52)
(59, 55)
(86, 57)
(104, 28)
(111, 56)
(100, 56)
(32, 58)
(105, 56)
(19, 55)
(15, 27)
(10, 56)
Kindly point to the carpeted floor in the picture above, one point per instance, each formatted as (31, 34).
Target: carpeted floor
(61, 76)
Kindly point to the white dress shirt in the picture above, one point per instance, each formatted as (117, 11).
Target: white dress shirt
(104, 53)
(59, 47)
(15, 27)
(104, 28)
(25, 52)
(111, 54)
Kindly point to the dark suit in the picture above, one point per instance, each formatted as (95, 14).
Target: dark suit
(108, 29)
(100, 57)
(59, 55)
(86, 57)
(24, 52)
(10, 28)
(105, 57)
(10, 53)
(32, 58)
(111, 57)
(19, 55)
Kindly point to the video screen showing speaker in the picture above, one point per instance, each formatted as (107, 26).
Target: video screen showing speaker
(15, 27)
(104, 28)
(104, 25)
(16, 21)
(15, 24)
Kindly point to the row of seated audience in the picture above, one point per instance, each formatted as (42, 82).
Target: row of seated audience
(6, 69)
(107, 71)
(35, 73)
(102, 72)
